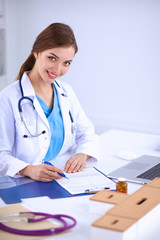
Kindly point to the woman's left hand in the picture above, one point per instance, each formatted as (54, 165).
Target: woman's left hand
(76, 163)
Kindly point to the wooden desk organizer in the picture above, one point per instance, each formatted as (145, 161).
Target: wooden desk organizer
(131, 214)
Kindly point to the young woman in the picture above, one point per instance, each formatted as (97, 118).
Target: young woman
(40, 117)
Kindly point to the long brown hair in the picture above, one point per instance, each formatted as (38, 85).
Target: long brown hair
(55, 35)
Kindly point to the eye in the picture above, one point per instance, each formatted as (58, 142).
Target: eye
(52, 58)
(67, 64)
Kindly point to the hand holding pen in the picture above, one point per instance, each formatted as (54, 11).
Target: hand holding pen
(42, 172)
(59, 173)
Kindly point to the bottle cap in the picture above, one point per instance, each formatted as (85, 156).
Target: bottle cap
(121, 179)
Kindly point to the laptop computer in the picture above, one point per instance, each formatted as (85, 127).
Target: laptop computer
(140, 170)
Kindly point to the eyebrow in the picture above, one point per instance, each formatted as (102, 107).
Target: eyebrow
(54, 55)
(58, 57)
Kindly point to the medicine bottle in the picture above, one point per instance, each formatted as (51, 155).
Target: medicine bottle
(121, 185)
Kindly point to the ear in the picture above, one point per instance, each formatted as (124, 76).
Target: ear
(35, 55)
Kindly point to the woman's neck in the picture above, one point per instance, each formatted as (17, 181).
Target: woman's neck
(42, 89)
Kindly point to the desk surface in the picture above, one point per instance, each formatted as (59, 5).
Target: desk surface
(111, 142)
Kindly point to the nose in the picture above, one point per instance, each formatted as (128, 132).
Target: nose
(57, 68)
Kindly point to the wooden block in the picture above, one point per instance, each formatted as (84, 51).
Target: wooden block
(112, 227)
(130, 216)
(116, 223)
(138, 204)
(111, 197)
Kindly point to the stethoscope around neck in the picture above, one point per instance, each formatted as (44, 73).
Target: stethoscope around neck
(21, 112)
(73, 127)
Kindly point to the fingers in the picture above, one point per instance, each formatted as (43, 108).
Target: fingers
(79, 167)
(43, 172)
(76, 163)
(49, 175)
(51, 172)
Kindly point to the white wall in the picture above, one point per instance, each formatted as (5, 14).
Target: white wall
(116, 73)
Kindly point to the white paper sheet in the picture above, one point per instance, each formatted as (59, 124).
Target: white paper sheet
(89, 178)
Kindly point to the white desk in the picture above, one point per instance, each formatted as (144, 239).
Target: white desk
(78, 207)
(114, 141)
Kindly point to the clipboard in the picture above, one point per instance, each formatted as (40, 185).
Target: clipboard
(37, 189)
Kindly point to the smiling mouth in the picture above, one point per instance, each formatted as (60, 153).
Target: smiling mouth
(52, 75)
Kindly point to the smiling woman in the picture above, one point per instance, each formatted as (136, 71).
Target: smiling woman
(55, 35)
(49, 121)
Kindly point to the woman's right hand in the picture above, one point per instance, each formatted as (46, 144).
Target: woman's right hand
(43, 172)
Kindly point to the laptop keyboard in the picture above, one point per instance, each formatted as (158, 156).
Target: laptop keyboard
(151, 173)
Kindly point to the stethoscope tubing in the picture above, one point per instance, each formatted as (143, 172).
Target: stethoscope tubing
(20, 100)
(42, 232)
(23, 97)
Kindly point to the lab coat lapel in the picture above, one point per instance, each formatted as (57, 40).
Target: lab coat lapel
(64, 105)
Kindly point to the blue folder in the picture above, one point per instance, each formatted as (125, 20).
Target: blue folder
(12, 190)
(34, 189)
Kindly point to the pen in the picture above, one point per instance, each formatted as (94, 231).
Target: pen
(96, 190)
(61, 174)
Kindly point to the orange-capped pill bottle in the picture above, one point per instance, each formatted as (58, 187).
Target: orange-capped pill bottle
(121, 185)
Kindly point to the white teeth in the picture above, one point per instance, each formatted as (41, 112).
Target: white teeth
(53, 75)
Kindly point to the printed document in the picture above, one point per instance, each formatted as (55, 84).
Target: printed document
(88, 179)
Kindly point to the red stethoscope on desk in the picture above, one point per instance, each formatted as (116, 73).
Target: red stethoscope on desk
(41, 232)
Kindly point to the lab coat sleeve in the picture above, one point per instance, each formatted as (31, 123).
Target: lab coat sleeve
(9, 165)
(86, 140)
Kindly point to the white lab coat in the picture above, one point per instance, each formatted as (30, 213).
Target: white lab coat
(16, 152)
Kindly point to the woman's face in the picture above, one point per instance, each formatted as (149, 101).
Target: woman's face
(53, 63)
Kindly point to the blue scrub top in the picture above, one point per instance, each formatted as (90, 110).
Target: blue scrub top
(55, 120)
